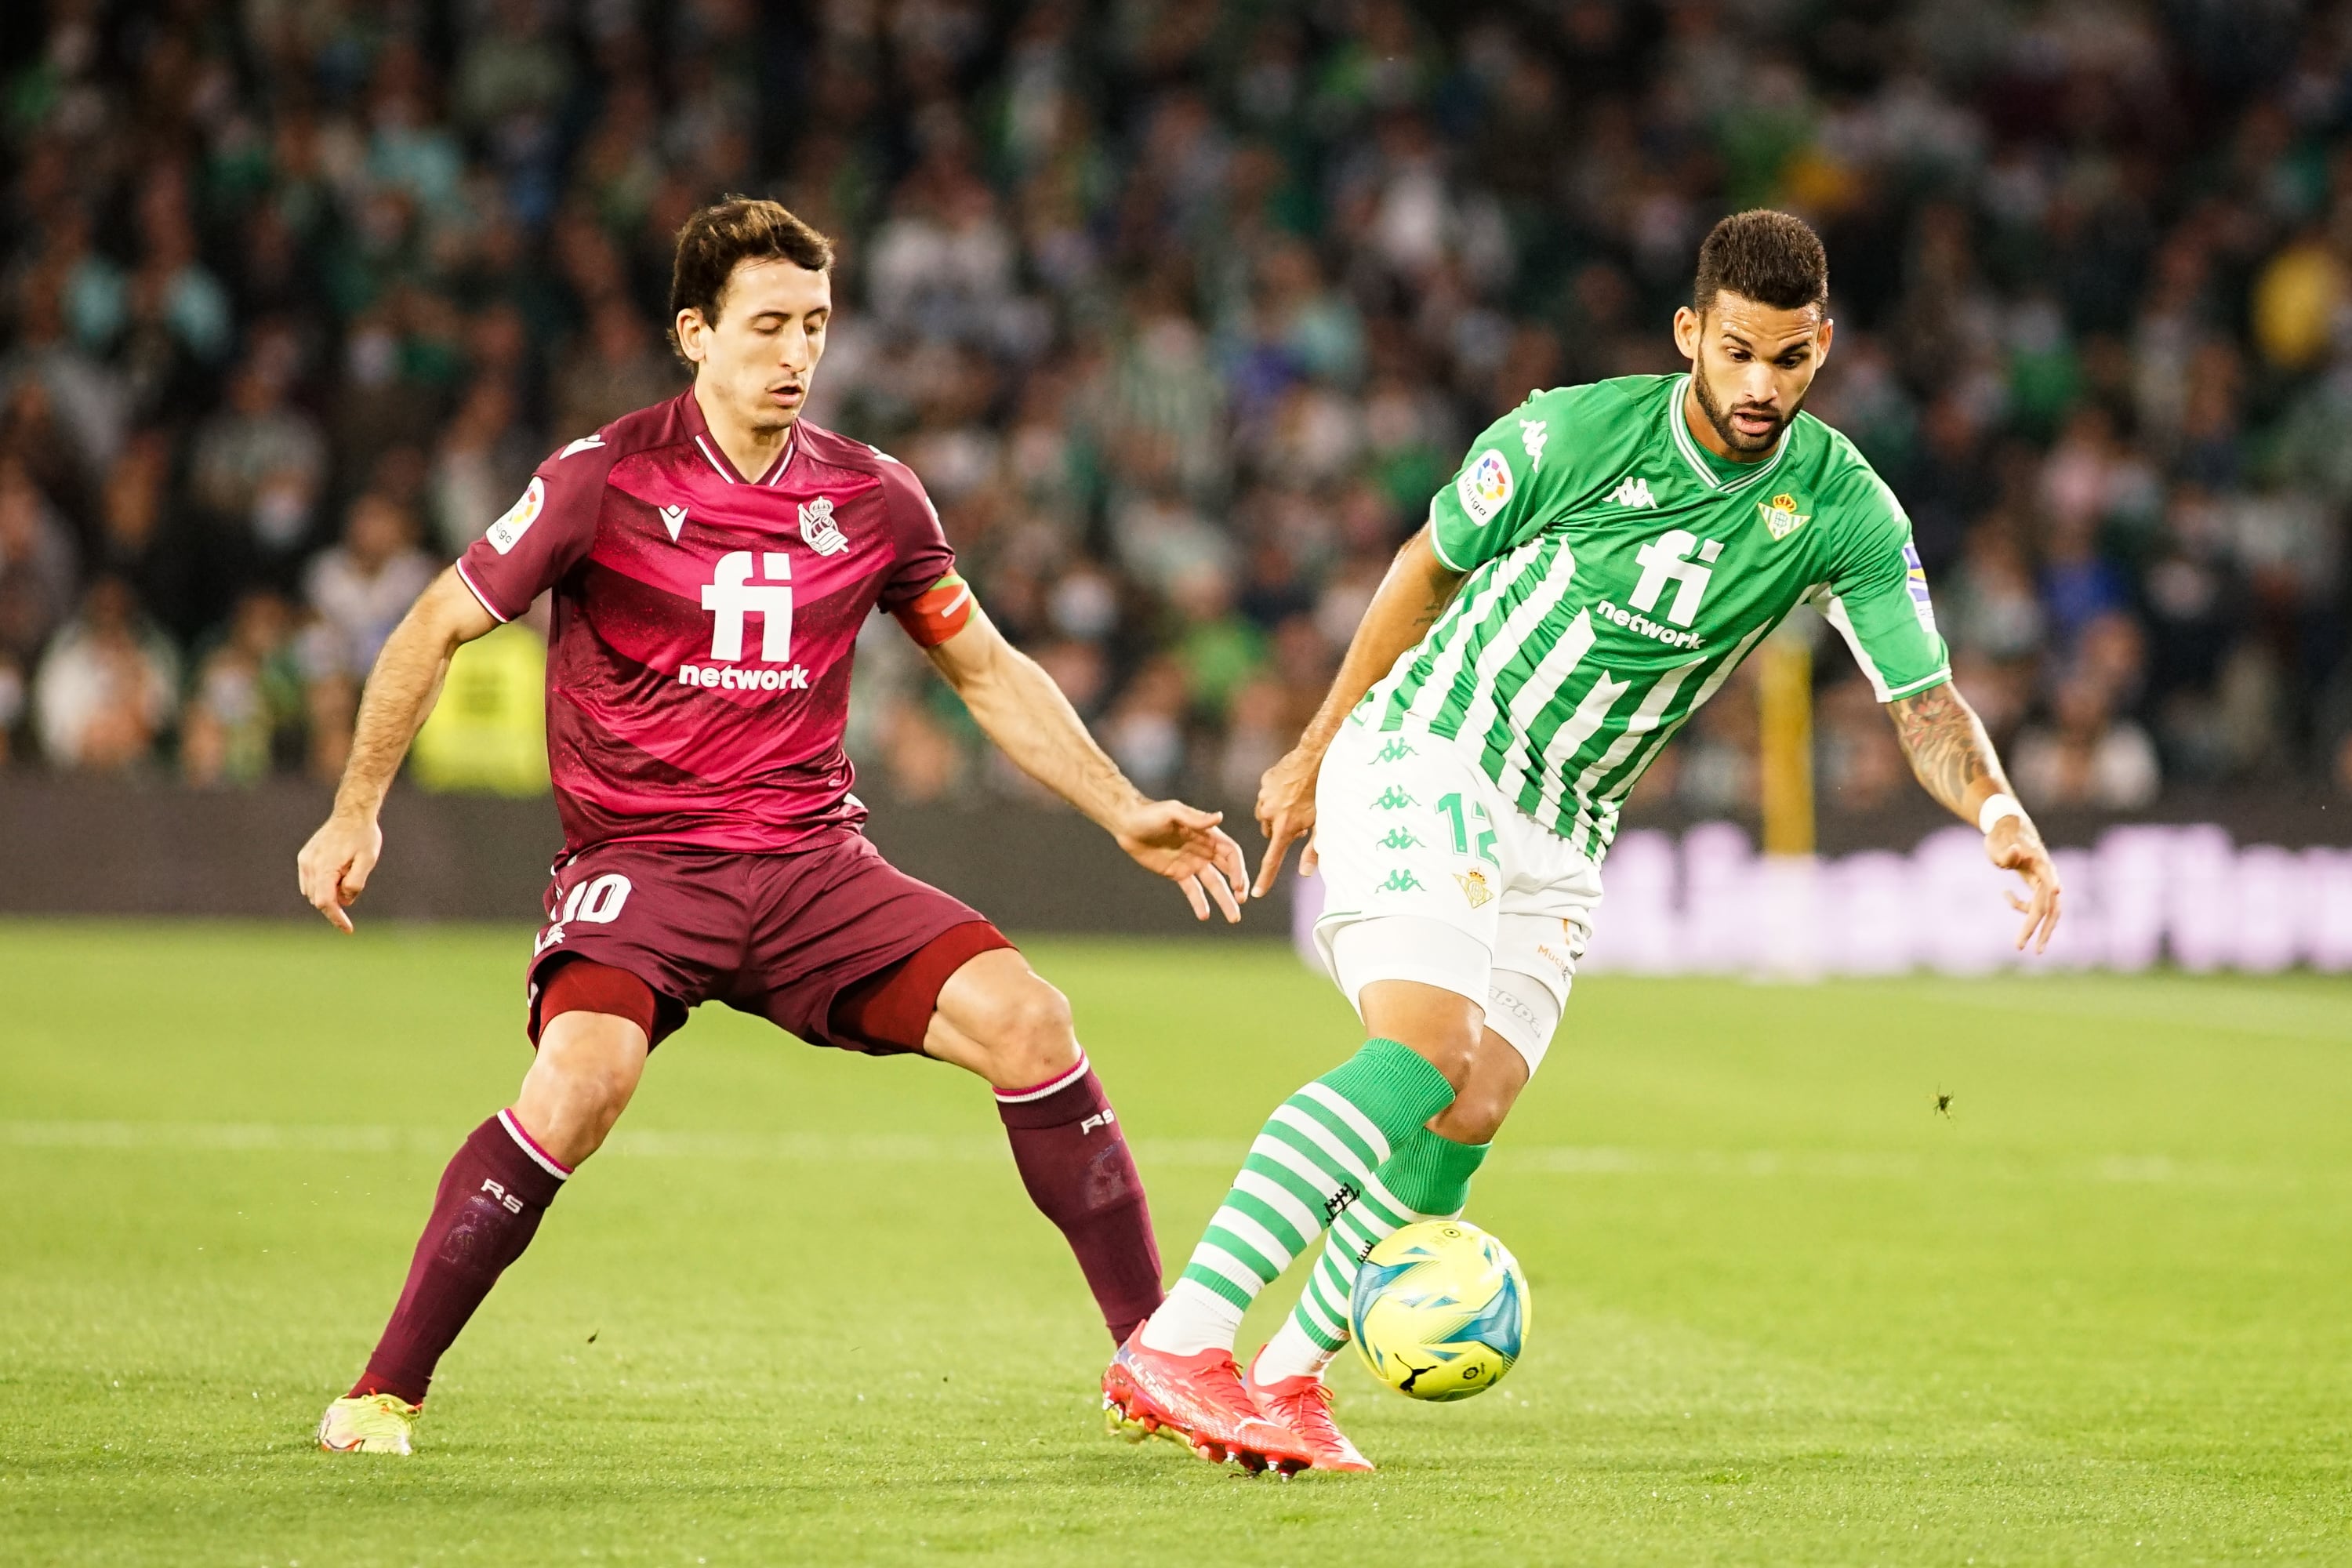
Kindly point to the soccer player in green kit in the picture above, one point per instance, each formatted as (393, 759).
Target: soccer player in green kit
(1606, 557)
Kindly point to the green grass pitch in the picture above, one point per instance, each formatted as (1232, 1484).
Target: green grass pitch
(801, 1311)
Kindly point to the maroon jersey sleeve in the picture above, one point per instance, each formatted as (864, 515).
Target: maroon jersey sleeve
(923, 590)
(543, 535)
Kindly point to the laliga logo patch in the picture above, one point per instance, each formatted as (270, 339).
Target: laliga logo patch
(818, 530)
(1780, 515)
(508, 531)
(1485, 486)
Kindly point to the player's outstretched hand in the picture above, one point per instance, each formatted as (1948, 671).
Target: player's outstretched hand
(334, 866)
(1285, 813)
(1185, 845)
(2014, 845)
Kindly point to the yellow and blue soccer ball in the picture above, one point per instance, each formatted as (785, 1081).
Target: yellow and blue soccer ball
(1440, 1309)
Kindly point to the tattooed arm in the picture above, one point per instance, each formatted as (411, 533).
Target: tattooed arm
(1412, 597)
(1953, 759)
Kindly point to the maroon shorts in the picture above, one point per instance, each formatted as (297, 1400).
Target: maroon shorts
(779, 936)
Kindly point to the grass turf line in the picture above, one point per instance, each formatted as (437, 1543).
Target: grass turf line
(1783, 1311)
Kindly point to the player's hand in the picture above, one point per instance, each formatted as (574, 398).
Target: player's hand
(1186, 846)
(1285, 813)
(334, 866)
(2014, 845)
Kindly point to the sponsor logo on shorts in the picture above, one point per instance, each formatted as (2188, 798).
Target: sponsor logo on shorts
(1395, 751)
(1395, 799)
(1400, 880)
(1475, 885)
(1399, 838)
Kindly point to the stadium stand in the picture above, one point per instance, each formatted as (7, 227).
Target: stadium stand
(1181, 310)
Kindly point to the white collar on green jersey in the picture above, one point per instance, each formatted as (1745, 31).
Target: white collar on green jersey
(1688, 447)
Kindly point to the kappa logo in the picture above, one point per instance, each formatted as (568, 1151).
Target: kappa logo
(818, 530)
(1393, 799)
(1533, 434)
(1634, 492)
(1398, 837)
(1400, 880)
(1394, 750)
(1781, 516)
(674, 519)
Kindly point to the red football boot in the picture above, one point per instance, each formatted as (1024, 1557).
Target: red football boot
(1197, 1400)
(1302, 1407)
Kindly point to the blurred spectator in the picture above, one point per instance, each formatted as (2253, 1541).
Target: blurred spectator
(258, 468)
(616, 365)
(360, 588)
(105, 693)
(247, 697)
(37, 567)
(2087, 755)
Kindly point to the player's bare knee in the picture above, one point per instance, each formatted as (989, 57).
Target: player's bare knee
(1030, 1038)
(1476, 1116)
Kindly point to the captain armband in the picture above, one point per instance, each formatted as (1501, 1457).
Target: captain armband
(938, 613)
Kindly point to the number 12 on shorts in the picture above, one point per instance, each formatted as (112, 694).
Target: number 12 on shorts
(1450, 808)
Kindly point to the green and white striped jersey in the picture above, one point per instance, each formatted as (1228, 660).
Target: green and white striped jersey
(1619, 572)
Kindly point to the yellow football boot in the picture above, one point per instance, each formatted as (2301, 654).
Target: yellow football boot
(368, 1424)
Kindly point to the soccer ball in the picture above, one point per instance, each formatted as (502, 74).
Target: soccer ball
(1439, 1309)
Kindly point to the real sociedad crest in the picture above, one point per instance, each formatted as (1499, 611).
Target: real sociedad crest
(818, 530)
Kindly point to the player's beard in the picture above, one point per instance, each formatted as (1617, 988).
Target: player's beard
(1720, 418)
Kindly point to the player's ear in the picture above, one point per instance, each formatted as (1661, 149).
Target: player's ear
(1822, 341)
(1686, 327)
(690, 334)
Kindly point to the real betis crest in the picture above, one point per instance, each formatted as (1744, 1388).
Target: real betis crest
(1780, 515)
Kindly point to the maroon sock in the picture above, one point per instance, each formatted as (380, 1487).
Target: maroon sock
(1073, 1161)
(489, 1204)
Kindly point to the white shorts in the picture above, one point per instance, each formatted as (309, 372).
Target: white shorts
(1431, 874)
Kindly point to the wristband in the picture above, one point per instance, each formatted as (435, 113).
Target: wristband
(1993, 811)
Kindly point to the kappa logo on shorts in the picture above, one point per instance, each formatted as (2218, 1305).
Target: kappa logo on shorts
(1395, 751)
(1398, 837)
(1400, 880)
(1395, 799)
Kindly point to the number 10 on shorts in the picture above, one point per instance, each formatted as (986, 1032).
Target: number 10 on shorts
(1450, 808)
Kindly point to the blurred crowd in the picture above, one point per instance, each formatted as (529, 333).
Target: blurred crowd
(1182, 308)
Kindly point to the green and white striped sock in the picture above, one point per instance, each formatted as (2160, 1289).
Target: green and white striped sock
(1428, 1177)
(1313, 1159)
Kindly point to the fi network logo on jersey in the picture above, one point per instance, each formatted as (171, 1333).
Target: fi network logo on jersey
(1666, 559)
(732, 599)
(1634, 492)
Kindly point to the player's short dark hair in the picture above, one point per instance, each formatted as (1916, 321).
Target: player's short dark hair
(719, 236)
(1771, 257)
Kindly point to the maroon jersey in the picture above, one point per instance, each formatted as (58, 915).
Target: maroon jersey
(697, 676)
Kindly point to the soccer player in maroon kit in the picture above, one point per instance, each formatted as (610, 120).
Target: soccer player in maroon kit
(712, 559)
